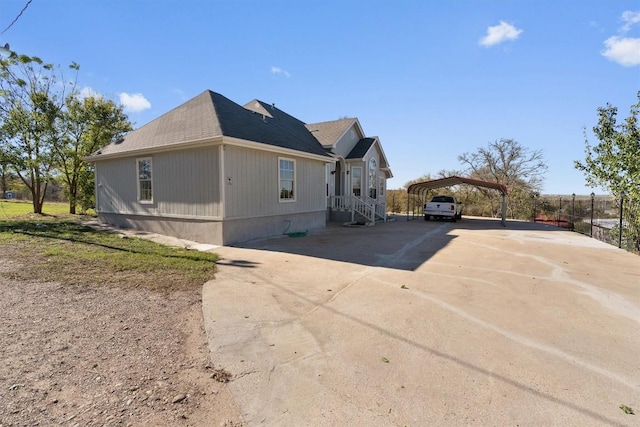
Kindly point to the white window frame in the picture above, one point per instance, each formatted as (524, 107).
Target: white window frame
(140, 181)
(292, 179)
(381, 186)
(372, 178)
(353, 180)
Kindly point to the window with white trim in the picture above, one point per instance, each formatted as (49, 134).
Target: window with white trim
(356, 181)
(381, 187)
(373, 178)
(145, 187)
(286, 179)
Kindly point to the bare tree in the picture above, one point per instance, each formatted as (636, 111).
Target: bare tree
(507, 162)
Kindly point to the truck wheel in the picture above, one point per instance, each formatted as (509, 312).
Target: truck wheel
(426, 218)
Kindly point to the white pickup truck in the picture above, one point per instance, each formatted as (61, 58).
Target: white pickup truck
(443, 207)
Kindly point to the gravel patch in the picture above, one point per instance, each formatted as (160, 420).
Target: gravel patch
(91, 355)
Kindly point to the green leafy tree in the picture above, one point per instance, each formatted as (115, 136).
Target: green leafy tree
(509, 163)
(31, 100)
(88, 124)
(614, 163)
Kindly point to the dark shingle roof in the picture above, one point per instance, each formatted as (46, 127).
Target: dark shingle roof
(361, 148)
(211, 115)
(283, 130)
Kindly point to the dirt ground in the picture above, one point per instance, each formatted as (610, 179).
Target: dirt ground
(89, 355)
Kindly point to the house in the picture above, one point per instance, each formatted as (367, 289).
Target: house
(216, 172)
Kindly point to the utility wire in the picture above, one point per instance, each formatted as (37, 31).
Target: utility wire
(17, 17)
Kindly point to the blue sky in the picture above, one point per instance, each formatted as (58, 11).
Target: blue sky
(431, 79)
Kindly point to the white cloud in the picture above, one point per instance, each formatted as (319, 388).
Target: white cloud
(630, 19)
(135, 102)
(500, 33)
(624, 51)
(87, 92)
(278, 70)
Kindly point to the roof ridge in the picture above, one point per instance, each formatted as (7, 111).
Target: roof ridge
(333, 121)
(266, 106)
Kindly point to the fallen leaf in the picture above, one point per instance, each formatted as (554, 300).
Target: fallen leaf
(627, 410)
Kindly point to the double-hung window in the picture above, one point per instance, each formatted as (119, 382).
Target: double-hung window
(145, 188)
(356, 181)
(287, 179)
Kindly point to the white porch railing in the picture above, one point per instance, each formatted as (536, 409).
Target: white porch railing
(370, 209)
(363, 208)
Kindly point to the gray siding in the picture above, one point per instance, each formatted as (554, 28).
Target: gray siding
(349, 140)
(254, 187)
(185, 184)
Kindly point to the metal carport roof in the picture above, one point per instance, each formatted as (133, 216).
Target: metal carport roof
(420, 188)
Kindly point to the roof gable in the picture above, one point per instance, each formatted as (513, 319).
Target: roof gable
(328, 133)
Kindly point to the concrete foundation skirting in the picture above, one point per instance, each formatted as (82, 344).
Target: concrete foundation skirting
(199, 230)
(242, 230)
(219, 232)
(340, 216)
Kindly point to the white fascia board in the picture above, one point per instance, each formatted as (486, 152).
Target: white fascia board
(376, 142)
(272, 148)
(357, 123)
(388, 172)
(211, 142)
(384, 156)
(160, 149)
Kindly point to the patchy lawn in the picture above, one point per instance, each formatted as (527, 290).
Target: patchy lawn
(66, 251)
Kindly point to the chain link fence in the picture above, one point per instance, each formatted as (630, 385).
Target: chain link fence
(601, 217)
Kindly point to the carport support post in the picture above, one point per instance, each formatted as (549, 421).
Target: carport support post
(408, 197)
(504, 210)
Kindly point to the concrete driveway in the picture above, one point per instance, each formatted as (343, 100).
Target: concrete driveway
(414, 323)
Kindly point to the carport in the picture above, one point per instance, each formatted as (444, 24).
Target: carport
(420, 189)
